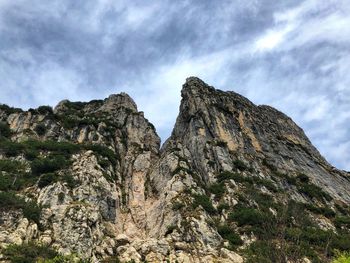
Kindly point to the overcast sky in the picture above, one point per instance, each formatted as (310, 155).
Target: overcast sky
(291, 54)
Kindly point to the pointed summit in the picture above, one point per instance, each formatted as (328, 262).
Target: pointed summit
(119, 100)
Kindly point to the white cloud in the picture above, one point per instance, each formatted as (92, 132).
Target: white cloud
(272, 38)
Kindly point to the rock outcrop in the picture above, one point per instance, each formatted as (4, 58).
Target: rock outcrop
(233, 181)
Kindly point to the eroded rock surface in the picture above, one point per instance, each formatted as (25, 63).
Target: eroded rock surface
(181, 203)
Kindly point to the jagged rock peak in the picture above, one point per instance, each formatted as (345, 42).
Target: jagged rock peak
(194, 85)
(120, 100)
(114, 101)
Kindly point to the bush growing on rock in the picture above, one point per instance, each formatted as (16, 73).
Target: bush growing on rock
(240, 165)
(5, 130)
(47, 179)
(49, 164)
(248, 216)
(9, 200)
(40, 129)
(229, 234)
(45, 110)
(9, 110)
(27, 253)
(205, 202)
(342, 257)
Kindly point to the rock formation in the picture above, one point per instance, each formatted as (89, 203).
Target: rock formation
(234, 182)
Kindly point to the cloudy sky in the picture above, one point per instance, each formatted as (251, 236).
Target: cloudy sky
(291, 54)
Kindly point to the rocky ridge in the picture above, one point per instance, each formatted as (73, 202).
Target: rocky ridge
(233, 181)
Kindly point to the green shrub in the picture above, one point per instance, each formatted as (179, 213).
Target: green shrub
(61, 197)
(103, 151)
(15, 182)
(70, 181)
(223, 206)
(315, 236)
(53, 146)
(45, 110)
(227, 233)
(342, 221)
(205, 202)
(68, 122)
(49, 164)
(28, 253)
(247, 216)
(47, 179)
(178, 205)
(265, 182)
(266, 163)
(111, 260)
(104, 163)
(5, 130)
(75, 106)
(218, 189)
(327, 212)
(32, 211)
(10, 166)
(9, 110)
(240, 165)
(261, 252)
(5, 182)
(31, 154)
(224, 176)
(341, 242)
(11, 149)
(303, 178)
(40, 129)
(342, 257)
(9, 200)
(313, 191)
(220, 143)
(289, 179)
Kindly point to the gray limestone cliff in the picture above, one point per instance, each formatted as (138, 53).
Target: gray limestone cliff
(235, 182)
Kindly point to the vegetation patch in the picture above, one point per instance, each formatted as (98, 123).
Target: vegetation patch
(28, 253)
(240, 165)
(5, 130)
(178, 206)
(327, 212)
(9, 110)
(45, 110)
(342, 221)
(40, 129)
(313, 191)
(247, 216)
(9, 200)
(205, 202)
(218, 189)
(220, 143)
(47, 179)
(229, 234)
(49, 164)
(248, 181)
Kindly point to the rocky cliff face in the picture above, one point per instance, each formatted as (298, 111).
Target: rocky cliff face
(234, 182)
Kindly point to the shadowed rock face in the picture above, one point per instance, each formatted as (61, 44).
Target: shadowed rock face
(126, 197)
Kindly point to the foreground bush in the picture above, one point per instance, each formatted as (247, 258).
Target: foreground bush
(28, 253)
(342, 257)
